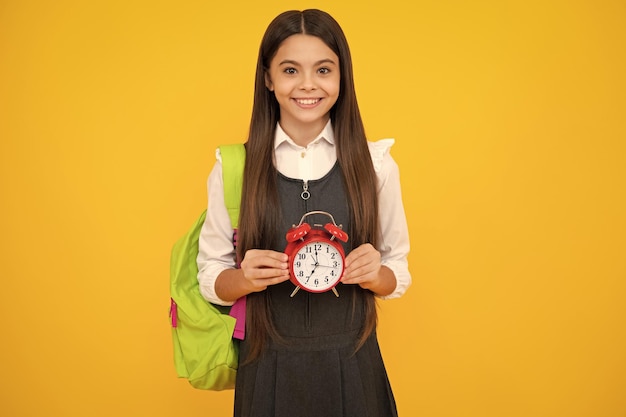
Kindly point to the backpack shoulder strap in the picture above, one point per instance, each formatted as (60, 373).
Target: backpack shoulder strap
(233, 162)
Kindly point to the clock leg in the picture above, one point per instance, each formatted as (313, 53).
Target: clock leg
(335, 291)
(295, 291)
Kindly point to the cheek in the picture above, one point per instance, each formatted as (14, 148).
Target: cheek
(284, 87)
(333, 87)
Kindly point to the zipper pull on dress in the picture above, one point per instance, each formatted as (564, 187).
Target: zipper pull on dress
(305, 194)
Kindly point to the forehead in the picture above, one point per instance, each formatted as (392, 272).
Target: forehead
(304, 49)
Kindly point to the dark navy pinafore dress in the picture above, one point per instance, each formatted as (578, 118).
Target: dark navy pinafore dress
(316, 372)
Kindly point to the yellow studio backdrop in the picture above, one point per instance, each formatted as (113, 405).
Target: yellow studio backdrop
(510, 126)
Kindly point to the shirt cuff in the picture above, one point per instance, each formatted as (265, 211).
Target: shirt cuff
(206, 281)
(403, 280)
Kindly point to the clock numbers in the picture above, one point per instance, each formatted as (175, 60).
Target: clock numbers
(318, 266)
(313, 248)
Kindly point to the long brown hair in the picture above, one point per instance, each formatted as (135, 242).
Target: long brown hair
(257, 226)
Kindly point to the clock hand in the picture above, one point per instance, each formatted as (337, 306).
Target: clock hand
(316, 264)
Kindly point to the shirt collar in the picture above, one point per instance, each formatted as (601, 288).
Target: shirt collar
(326, 134)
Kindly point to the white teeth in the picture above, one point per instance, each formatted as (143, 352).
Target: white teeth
(307, 101)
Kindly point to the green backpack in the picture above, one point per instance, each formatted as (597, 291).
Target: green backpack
(204, 350)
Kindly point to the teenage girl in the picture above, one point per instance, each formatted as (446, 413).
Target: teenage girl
(313, 354)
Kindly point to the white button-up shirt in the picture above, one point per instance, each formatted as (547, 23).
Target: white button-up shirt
(216, 251)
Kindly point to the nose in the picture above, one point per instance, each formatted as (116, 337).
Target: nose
(308, 83)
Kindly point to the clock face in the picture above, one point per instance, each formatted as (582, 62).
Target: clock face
(317, 266)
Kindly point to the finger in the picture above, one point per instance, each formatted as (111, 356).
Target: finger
(264, 259)
(268, 273)
(354, 255)
(275, 277)
(363, 264)
(366, 250)
(361, 270)
(266, 254)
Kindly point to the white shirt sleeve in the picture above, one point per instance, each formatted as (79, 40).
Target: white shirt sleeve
(216, 250)
(393, 235)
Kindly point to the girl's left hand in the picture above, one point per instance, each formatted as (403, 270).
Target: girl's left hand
(363, 267)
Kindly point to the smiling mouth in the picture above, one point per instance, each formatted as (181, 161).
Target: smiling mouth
(307, 101)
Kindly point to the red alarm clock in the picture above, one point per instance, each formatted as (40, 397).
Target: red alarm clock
(316, 258)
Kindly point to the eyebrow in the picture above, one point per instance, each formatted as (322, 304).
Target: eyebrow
(320, 62)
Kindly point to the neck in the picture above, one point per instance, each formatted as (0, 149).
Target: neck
(303, 133)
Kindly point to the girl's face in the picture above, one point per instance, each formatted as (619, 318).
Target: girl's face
(304, 76)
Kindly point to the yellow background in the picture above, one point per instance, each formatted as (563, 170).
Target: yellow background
(510, 127)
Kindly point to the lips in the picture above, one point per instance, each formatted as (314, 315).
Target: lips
(307, 101)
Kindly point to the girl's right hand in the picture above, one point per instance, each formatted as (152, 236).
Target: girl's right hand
(262, 268)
